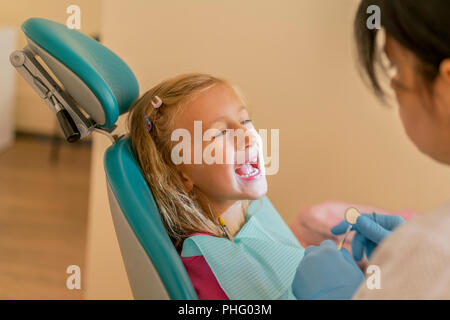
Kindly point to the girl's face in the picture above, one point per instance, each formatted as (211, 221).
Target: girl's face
(425, 113)
(227, 126)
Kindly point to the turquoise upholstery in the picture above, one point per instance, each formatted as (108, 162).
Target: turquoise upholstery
(108, 76)
(139, 207)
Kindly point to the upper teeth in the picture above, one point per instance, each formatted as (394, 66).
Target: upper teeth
(254, 161)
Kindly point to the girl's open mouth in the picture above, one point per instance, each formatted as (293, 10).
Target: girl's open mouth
(250, 170)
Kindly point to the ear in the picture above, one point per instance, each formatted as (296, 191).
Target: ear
(444, 70)
(188, 183)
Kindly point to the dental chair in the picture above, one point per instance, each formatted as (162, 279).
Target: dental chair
(87, 86)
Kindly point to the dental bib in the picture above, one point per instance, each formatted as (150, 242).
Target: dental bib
(260, 264)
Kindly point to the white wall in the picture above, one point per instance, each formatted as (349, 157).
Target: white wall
(294, 61)
(31, 113)
(7, 87)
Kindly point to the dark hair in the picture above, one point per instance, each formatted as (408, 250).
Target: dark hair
(422, 26)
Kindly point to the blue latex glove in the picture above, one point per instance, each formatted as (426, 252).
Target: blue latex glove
(326, 273)
(371, 229)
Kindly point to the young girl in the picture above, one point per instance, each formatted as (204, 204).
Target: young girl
(232, 242)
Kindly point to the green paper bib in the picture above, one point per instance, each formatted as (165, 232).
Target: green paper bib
(260, 264)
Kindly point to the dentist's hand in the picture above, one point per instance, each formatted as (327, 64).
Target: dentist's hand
(371, 229)
(326, 273)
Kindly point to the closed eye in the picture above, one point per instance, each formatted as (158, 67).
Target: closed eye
(221, 133)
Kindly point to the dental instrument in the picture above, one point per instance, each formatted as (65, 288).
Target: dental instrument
(225, 229)
(350, 215)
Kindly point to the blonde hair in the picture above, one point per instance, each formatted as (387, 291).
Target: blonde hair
(180, 211)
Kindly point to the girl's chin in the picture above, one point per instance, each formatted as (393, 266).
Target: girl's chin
(254, 196)
(256, 191)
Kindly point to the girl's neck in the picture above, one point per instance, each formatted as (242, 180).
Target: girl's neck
(233, 214)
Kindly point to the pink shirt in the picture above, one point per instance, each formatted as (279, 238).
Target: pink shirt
(205, 283)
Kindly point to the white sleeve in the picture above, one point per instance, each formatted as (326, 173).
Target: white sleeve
(414, 262)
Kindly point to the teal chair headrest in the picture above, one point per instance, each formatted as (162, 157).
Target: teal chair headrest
(105, 74)
(139, 207)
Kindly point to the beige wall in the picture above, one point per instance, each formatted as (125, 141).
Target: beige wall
(293, 60)
(31, 113)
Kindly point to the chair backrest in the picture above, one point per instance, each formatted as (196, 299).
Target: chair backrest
(143, 241)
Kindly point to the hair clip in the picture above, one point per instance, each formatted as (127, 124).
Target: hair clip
(149, 124)
(158, 102)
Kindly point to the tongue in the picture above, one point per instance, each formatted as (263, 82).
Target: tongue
(245, 169)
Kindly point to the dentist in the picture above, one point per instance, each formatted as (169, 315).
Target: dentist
(414, 257)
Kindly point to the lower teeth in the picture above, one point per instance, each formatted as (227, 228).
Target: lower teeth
(255, 172)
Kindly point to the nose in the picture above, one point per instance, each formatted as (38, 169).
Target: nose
(245, 145)
(246, 139)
